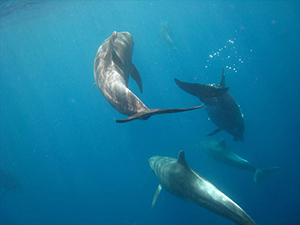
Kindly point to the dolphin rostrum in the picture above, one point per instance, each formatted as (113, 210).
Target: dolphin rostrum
(219, 151)
(223, 110)
(180, 180)
(112, 68)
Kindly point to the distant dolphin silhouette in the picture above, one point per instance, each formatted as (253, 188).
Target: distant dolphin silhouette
(223, 110)
(219, 151)
(112, 67)
(165, 33)
(8, 182)
(180, 180)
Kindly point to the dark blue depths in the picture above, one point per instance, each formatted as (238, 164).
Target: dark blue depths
(75, 165)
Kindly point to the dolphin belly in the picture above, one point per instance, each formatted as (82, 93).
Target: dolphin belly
(113, 88)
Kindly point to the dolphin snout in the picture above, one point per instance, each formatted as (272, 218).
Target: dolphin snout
(154, 161)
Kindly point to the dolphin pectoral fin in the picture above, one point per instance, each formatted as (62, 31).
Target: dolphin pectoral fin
(215, 132)
(136, 76)
(261, 174)
(146, 114)
(156, 196)
(202, 91)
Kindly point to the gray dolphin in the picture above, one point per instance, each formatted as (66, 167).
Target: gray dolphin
(223, 110)
(8, 182)
(180, 180)
(165, 33)
(219, 151)
(112, 68)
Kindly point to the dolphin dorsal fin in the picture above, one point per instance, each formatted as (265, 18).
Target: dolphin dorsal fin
(222, 82)
(181, 158)
(222, 143)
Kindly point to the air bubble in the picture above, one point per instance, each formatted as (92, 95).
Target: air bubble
(230, 56)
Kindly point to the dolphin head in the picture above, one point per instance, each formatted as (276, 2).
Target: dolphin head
(154, 162)
(212, 147)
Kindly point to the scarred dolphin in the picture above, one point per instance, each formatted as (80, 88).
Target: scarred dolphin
(219, 151)
(112, 68)
(223, 110)
(180, 180)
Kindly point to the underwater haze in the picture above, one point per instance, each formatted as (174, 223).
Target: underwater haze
(67, 161)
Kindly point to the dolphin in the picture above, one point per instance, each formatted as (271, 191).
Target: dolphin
(219, 151)
(8, 182)
(223, 110)
(180, 180)
(112, 68)
(165, 33)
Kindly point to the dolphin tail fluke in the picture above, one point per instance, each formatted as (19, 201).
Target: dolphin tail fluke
(261, 174)
(202, 91)
(146, 114)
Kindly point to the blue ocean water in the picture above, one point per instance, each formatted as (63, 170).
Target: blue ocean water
(76, 165)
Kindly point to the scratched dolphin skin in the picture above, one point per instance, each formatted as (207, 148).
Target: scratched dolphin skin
(112, 68)
(219, 151)
(180, 180)
(223, 110)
